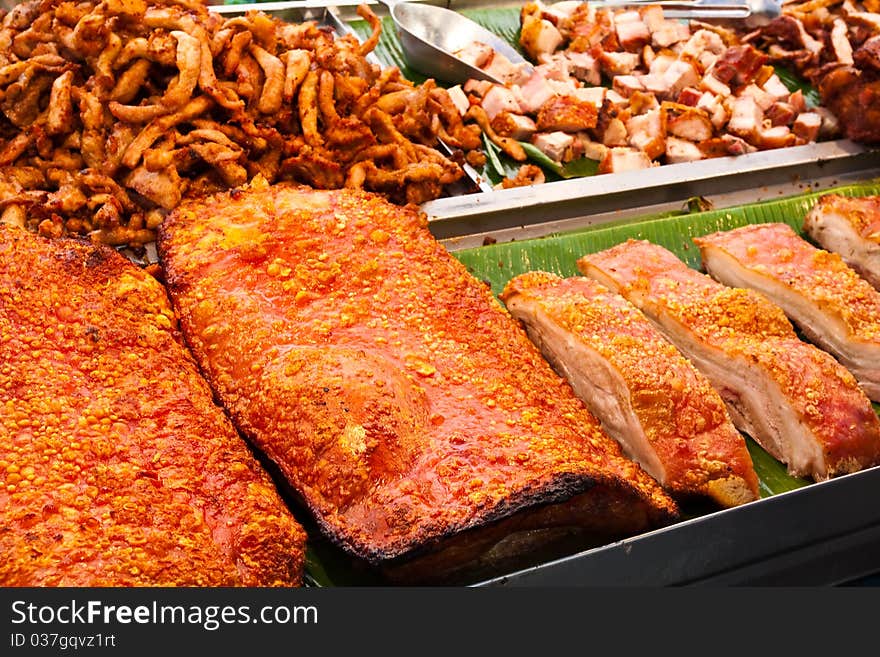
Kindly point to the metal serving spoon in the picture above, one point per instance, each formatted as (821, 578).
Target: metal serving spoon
(430, 34)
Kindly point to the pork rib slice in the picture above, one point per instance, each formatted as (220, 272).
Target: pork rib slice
(410, 413)
(646, 394)
(849, 226)
(794, 399)
(833, 306)
(126, 471)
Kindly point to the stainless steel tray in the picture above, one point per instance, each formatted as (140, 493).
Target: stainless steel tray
(824, 534)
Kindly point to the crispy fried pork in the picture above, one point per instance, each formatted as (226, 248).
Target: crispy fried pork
(647, 396)
(123, 108)
(836, 49)
(117, 467)
(850, 227)
(854, 98)
(829, 302)
(406, 408)
(794, 399)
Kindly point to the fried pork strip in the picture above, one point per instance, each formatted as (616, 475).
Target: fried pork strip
(794, 399)
(850, 227)
(117, 468)
(406, 408)
(833, 307)
(648, 397)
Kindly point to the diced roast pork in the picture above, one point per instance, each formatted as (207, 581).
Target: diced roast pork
(738, 103)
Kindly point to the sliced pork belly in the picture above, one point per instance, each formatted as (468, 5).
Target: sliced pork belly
(833, 306)
(406, 408)
(794, 399)
(850, 227)
(648, 397)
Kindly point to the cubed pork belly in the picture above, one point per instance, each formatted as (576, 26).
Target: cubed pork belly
(618, 63)
(738, 65)
(779, 136)
(619, 364)
(831, 304)
(593, 95)
(679, 75)
(533, 93)
(762, 99)
(776, 88)
(476, 54)
(701, 42)
(584, 146)
(715, 108)
(499, 99)
(555, 67)
(647, 132)
(746, 118)
(626, 85)
(780, 113)
(714, 86)
(619, 159)
(682, 150)
(850, 227)
(584, 67)
(794, 399)
(664, 32)
(566, 113)
(613, 132)
(504, 70)
(538, 35)
(807, 126)
(687, 122)
(632, 33)
(690, 96)
(724, 145)
(553, 144)
(478, 88)
(515, 126)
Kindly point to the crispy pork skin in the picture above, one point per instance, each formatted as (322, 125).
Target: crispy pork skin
(117, 467)
(850, 227)
(647, 396)
(831, 304)
(794, 399)
(406, 408)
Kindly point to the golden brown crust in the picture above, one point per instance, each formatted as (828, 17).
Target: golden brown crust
(392, 390)
(117, 469)
(863, 213)
(750, 330)
(684, 418)
(777, 252)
